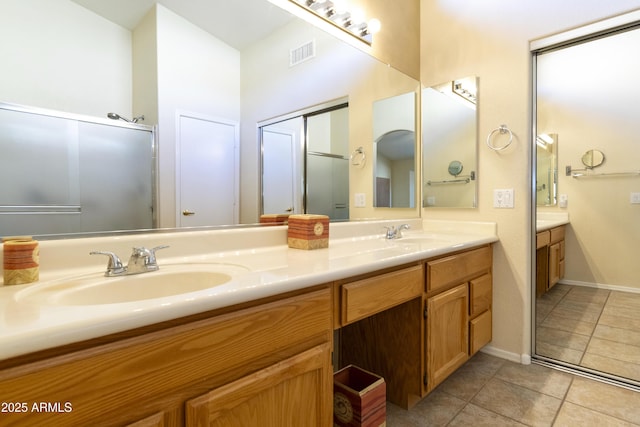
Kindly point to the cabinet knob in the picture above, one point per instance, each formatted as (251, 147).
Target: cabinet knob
(188, 213)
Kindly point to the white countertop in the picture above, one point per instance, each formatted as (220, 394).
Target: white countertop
(549, 220)
(272, 268)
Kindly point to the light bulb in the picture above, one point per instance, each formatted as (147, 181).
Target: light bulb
(373, 26)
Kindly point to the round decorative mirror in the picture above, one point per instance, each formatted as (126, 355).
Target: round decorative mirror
(455, 167)
(592, 158)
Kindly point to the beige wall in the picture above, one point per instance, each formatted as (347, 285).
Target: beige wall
(44, 63)
(491, 40)
(270, 88)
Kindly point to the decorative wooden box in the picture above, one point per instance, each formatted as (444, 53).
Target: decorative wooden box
(359, 398)
(308, 231)
(274, 219)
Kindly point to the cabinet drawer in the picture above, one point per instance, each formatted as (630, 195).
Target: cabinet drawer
(457, 268)
(480, 294)
(369, 296)
(542, 239)
(557, 234)
(480, 332)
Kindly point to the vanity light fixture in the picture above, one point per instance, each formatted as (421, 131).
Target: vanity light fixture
(465, 89)
(337, 14)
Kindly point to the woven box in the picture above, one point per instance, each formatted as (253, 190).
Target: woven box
(308, 231)
(274, 219)
(359, 398)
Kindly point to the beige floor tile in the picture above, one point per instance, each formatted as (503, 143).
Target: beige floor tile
(472, 376)
(619, 351)
(536, 377)
(518, 403)
(604, 398)
(571, 312)
(572, 415)
(580, 306)
(630, 312)
(562, 338)
(569, 325)
(609, 318)
(620, 335)
(624, 299)
(555, 294)
(398, 417)
(473, 415)
(559, 353)
(542, 310)
(611, 366)
(591, 295)
(437, 409)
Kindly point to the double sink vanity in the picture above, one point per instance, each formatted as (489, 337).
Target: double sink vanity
(235, 325)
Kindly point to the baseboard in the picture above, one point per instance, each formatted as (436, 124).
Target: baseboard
(524, 359)
(601, 286)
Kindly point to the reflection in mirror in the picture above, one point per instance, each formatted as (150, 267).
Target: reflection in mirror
(394, 150)
(583, 93)
(307, 172)
(449, 139)
(243, 74)
(547, 169)
(592, 159)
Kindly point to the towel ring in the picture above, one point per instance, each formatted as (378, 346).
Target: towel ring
(502, 130)
(358, 157)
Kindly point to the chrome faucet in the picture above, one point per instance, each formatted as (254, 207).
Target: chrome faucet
(142, 260)
(394, 232)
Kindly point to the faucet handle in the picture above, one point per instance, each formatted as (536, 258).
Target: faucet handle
(391, 231)
(152, 253)
(114, 267)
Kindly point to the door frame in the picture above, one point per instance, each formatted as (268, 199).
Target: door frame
(236, 160)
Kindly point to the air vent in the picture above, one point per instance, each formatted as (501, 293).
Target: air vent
(303, 53)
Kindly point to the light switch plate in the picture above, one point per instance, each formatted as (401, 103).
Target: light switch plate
(359, 200)
(635, 198)
(503, 198)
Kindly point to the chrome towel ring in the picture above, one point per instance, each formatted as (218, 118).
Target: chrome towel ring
(358, 157)
(501, 130)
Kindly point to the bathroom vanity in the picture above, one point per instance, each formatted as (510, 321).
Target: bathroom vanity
(549, 258)
(412, 310)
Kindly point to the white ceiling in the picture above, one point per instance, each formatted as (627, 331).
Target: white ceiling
(239, 23)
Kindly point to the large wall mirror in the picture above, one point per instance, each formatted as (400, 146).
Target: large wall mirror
(449, 144)
(587, 105)
(242, 62)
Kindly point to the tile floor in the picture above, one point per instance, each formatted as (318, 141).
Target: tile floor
(595, 328)
(488, 391)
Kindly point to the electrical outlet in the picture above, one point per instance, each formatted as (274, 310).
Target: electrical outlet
(503, 198)
(563, 200)
(359, 200)
(635, 198)
(431, 200)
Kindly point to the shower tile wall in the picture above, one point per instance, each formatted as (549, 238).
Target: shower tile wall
(594, 328)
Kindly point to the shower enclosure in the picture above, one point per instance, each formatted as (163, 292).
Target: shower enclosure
(65, 173)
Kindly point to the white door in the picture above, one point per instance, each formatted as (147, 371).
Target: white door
(278, 171)
(207, 171)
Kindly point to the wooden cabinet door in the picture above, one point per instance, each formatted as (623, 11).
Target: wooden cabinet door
(554, 264)
(294, 392)
(447, 330)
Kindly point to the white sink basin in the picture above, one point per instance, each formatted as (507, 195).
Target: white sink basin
(95, 289)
